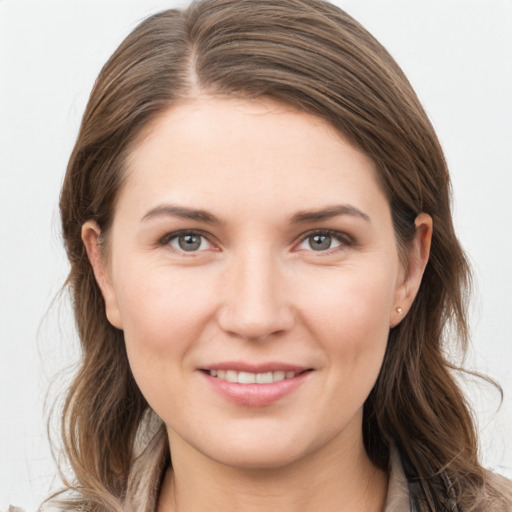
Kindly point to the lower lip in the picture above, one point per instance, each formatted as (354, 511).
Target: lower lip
(256, 395)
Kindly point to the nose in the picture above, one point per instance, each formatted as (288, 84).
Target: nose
(255, 302)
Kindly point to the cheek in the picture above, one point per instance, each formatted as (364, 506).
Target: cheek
(347, 318)
(164, 315)
(352, 303)
(161, 308)
(350, 319)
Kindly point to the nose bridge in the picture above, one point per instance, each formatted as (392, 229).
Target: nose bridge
(255, 303)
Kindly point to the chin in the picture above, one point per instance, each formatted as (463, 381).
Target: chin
(258, 457)
(254, 451)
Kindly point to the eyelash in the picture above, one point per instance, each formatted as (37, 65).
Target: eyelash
(345, 240)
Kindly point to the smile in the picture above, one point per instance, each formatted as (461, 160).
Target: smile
(264, 385)
(241, 377)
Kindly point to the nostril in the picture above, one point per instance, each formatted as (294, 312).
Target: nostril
(255, 322)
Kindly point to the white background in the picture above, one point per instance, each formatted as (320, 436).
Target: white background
(458, 56)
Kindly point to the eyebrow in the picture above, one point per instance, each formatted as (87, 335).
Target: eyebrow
(169, 210)
(328, 213)
(300, 217)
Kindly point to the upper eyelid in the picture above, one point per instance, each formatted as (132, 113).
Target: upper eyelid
(343, 237)
(174, 234)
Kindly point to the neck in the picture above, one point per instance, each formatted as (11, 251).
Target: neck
(336, 478)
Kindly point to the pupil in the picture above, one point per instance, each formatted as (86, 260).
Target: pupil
(189, 242)
(320, 242)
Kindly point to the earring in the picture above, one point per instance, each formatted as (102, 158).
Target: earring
(399, 310)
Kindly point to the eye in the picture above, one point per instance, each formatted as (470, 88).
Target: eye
(187, 241)
(321, 241)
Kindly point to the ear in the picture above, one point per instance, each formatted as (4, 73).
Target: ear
(95, 252)
(410, 278)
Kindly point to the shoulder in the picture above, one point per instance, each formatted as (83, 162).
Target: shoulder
(495, 495)
(498, 493)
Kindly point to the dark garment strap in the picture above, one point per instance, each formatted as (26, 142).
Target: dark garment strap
(440, 494)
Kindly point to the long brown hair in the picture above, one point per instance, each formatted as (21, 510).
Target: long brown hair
(313, 56)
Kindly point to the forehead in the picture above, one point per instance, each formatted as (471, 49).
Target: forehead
(247, 154)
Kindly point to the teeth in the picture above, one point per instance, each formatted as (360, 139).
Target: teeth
(231, 376)
(264, 378)
(279, 376)
(251, 378)
(246, 378)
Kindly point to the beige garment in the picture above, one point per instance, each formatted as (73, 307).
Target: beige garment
(398, 491)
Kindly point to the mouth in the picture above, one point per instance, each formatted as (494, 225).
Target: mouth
(242, 377)
(255, 385)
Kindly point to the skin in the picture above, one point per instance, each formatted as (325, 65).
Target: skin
(256, 290)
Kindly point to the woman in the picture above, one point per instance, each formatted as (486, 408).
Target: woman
(263, 268)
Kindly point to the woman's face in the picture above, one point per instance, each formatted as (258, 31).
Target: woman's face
(253, 268)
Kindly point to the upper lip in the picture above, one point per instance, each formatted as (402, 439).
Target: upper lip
(241, 366)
